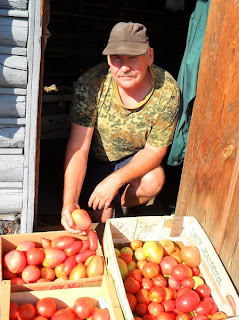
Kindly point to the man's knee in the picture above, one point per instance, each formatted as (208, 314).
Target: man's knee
(153, 182)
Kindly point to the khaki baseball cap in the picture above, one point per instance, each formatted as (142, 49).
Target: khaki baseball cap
(127, 38)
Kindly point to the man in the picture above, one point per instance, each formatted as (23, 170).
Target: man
(123, 120)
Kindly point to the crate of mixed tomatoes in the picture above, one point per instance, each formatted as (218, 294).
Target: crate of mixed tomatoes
(52, 260)
(165, 268)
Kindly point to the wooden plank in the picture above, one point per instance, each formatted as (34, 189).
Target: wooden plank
(18, 4)
(209, 183)
(13, 31)
(12, 106)
(11, 168)
(12, 121)
(11, 200)
(12, 137)
(11, 151)
(13, 13)
(13, 71)
(13, 50)
(17, 91)
(11, 185)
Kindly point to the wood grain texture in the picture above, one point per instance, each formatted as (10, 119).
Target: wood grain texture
(11, 168)
(11, 200)
(209, 179)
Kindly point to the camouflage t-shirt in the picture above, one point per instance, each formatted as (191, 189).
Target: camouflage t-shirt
(120, 131)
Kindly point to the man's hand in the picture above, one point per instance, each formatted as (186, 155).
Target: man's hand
(104, 193)
(67, 221)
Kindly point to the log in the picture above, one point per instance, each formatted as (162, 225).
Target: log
(13, 50)
(13, 71)
(17, 4)
(13, 13)
(11, 200)
(12, 137)
(13, 121)
(11, 168)
(17, 91)
(14, 31)
(11, 151)
(11, 185)
(12, 106)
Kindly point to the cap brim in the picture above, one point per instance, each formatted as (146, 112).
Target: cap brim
(125, 48)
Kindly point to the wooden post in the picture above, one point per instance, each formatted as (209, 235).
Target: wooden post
(209, 188)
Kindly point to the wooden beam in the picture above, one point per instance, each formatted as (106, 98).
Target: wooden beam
(13, 121)
(12, 137)
(14, 31)
(13, 50)
(11, 201)
(17, 91)
(11, 168)
(13, 71)
(11, 151)
(13, 13)
(12, 106)
(17, 4)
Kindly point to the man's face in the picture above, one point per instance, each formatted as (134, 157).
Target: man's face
(130, 71)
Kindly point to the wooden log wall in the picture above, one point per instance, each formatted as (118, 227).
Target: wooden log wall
(209, 188)
(13, 83)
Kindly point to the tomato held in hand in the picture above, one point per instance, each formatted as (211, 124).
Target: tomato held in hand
(46, 307)
(82, 220)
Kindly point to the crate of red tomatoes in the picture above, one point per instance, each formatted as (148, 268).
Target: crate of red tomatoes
(165, 268)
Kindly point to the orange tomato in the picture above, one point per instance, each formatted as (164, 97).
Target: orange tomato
(82, 220)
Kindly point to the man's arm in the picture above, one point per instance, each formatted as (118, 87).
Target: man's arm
(75, 168)
(143, 162)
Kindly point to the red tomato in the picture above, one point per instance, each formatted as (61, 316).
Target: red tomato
(183, 316)
(196, 271)
(187, 301)
(101, 314)
(74, 248)
(132, 300)
(181, 290)
(142, 296)
(45, 243)
(169, 305)
(82, 256)
(174, 283)
(190, 256)
(82, 220)
(26, 245)
(17, 280)
(127, 257)
(200, 317)
(167, 265)
(45, 307)
(92, 239)
(47, 273)
(26, 312)
(62, 242)
(204, 308)
(165, 316)
(40, 318)
(150, 270)
(15, 261)
(171, 293)
(146, 317)
(157, 294)
(147, 283)
(68, 265)
(31, 274)
(13, 310)
(203, 290)
(131, 285)
(215, 308)
(84, 307)
(141, 309)
(35, 256)
(95, 267)
(53, 257)
(181, 272)
(7, 275)
(188, 283)
(63, 314)
(155, 308)
(136, 274)
(159, 281)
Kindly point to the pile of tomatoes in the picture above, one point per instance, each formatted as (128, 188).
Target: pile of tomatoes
(163, 281)
(63, 258)
(45, 309)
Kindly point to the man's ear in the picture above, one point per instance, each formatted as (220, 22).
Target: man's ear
(108, 59)
(151, 56)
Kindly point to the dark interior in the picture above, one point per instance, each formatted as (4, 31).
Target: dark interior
(79, 32)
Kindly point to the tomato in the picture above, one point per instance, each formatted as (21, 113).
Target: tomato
(14, 261)
(26, 245)
(188, 283)
(196, 271)
(95, 267)
(101, 314)
(187, 301)
(58, 270)
(165, 316)
(45, 243)
(142, 296)
(181, 291)
(134, 244)
(68, 265)
(204, 308)
(31, 274)
(219, 316)
(150, 270)
(46, 307)
(47, 273)
(141, 309)
(147, 283)
(131, 285)
(84, 307)
(62, 242)
(200, 317)
(159, 281)
(190, 256)
(85, 245)
(168, 246)
(157, 294)
(13, 310)
(17, 280)
(35, 256)
(170, 293)
(183, 316)
(153, 251)
(169, 305)
(73, 248)
(8, 275)
(82, 220)
(167, 265)
(63, 314)
(136, 274)
(155, 308)
(215, 308)
(181, 272)
(92, 239)
(127, 257)
(174, 283)
(146, 317)
(82, 256)
(141, 263)
(26, 312)
(40, 318)
(203, 290)
(78, 272)
(53, 257)
(132, 300)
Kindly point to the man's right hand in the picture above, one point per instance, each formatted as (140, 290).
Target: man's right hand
(67, 221)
